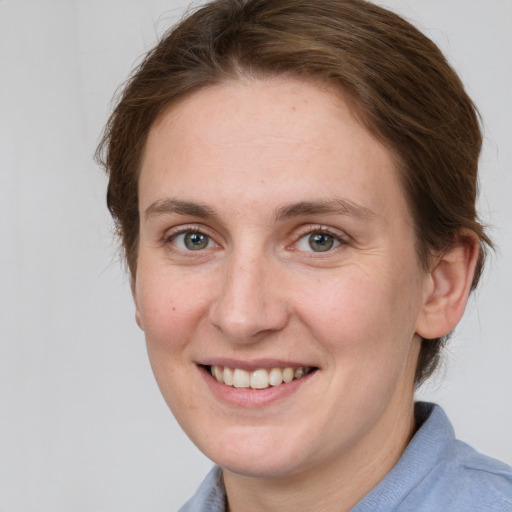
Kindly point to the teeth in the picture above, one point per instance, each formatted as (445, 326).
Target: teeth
(275, 377)
(258, 379)
(288, 374)
(241, 379)
(217, 373)
(227, 376)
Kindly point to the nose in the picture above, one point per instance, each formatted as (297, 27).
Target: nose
(250, 303)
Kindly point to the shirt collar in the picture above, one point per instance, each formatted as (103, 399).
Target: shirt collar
(428, 446)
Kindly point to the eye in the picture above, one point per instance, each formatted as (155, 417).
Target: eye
(192, 241)
(318, 241)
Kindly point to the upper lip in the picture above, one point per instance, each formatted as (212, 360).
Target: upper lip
(254, 364)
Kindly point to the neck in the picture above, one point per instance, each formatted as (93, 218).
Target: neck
(338, 485)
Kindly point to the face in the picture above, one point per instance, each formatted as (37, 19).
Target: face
(276, 244)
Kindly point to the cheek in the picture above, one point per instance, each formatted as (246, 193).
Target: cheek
(170, 309)
(366, 317)
(349, 307)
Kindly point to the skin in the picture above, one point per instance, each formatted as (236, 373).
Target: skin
(242, 156)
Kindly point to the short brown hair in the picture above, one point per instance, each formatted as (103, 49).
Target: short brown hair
(397, 81)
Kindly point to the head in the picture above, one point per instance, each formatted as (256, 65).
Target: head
(396, 81)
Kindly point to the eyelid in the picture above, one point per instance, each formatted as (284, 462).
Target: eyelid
(340, 236)
(170, 234)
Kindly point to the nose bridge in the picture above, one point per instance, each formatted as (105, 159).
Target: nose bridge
(248, 303)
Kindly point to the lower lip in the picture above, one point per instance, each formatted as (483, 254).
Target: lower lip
(248, 397)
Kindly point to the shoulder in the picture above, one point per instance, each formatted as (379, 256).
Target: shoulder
(480, 481)
(439, 472)
(459, 478)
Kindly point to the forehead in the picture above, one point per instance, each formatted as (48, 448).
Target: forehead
(268, 137)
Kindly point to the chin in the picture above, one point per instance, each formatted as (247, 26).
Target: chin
(261, 467)
(257, 454)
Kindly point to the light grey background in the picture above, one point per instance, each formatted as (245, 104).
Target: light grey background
(82, 424)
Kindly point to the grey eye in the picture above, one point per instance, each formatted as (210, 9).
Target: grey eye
(318, 242)
(192, 241)
(321, 242)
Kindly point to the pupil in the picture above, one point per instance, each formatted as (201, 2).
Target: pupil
(321, 242)
(195, 241)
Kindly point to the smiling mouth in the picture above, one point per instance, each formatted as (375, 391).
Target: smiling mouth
(258, 379)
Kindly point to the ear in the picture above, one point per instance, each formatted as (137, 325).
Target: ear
(138, 316)
(448, 286)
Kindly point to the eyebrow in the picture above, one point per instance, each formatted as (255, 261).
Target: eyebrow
(169, 206)
(337, 206)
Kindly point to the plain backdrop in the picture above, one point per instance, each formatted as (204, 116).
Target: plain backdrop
(82, 423)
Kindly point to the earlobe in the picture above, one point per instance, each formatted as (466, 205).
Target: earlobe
(448, 287)
(138, 316)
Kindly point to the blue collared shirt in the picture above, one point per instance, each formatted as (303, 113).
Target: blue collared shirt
(436, 473)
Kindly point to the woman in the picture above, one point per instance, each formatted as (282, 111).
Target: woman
(294, 184)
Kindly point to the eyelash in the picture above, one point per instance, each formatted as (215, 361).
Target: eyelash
(170, 238)
(322, 230)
